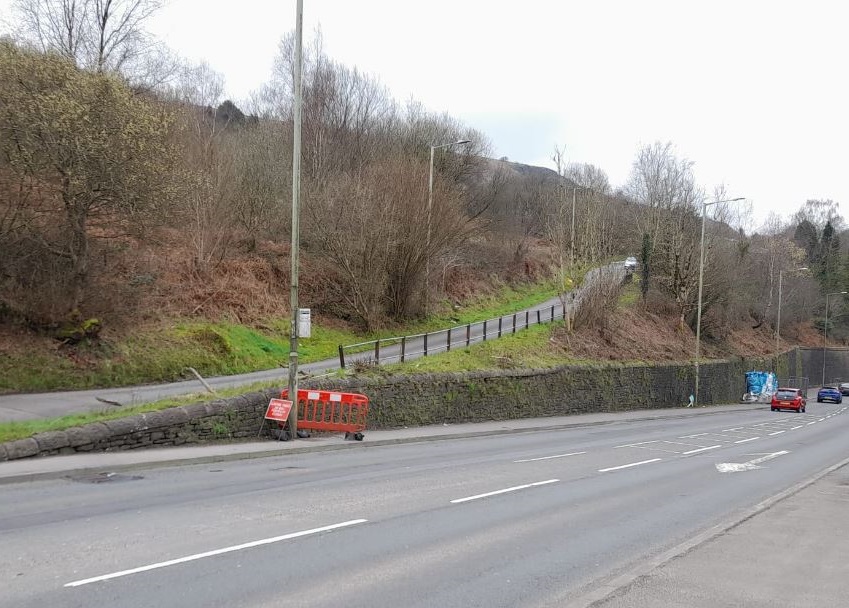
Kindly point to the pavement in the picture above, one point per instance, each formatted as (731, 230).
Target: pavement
(720, 506)
(792, 555)
(52, 467)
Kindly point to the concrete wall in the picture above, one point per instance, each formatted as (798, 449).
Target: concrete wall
(836, 364)
(427, 399)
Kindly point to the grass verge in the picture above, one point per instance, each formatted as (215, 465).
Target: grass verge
(163, 354)
(10, 431)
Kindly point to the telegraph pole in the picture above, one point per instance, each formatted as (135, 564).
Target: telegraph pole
(296, 205)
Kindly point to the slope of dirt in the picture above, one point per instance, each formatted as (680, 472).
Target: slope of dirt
(636, 333)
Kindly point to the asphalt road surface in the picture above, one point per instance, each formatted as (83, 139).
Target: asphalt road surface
(528, 519)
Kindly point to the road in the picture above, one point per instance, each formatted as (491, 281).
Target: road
(528, 519)
(28, 406)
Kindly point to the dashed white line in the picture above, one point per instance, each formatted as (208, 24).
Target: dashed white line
(626, 466)
(633, 445)
(710, 447)
(550, 457)
(746, 440)
(196, 556)
(814, 422)
(504, 491)
(797, 427)
(777, 433)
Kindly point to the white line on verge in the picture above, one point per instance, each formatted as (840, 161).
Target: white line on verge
(712, 447)
(625, 466)
(776, 433)
(746, 440)
(505, 490)
(196, 556)
(550, 457)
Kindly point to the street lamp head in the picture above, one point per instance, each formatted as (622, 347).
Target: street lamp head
(462, 141)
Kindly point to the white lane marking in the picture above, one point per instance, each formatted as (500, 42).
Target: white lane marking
(821, 419)
(736, 467)
(549, 457)
(776, 433)
(196, 556)
(797, 427)
(814, 422)
(724, 437)
(633, 445)
(712, 447)
(504, 491)
(746, 440)
(693, 436)
(625, 466)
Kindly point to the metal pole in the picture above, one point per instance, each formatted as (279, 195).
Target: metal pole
(296, 204)
(778, 317)
(572, 248)
(824, 339)
(427, 246)
(699, 309)
(377, 351)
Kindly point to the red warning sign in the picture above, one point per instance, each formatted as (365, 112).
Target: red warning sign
(278, 409)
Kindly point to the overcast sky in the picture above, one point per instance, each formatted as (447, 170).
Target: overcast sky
(754, 92)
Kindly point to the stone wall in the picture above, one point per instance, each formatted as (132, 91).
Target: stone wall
(836, 364)
(427, 399)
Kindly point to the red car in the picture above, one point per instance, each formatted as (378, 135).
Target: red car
(788, 399)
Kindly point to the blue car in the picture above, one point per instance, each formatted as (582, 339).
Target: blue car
(829, 393)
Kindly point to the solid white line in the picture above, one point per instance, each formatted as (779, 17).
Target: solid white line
(777, 433)
(712, 447)
(196, 556)
(797, 427)
(550, 457)
(625, 466)
(513, 489)
(745, 440)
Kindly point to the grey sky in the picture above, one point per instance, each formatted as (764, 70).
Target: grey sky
(754, 92)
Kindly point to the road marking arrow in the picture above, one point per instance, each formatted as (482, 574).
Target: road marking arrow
(736, 467)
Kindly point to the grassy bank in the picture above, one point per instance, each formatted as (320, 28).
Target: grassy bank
(162, 354)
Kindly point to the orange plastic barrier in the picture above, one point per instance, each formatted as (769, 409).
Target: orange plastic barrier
(331, 411)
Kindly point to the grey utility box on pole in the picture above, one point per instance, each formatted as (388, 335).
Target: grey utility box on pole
(304, 323)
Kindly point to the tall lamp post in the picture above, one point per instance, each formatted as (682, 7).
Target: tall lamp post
(296, 204)
(778, 317)
(701, 280)
(825, 332)
(430, 212)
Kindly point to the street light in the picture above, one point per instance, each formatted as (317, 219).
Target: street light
(778, 318)
(825, 332)
(430, 211)
(701, 278)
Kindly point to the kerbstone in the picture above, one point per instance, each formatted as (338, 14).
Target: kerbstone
(22, 448)
(51, 440)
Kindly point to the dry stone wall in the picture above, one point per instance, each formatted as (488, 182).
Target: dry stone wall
(424, 399)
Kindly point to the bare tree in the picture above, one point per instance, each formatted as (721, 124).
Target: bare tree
(101, 35)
